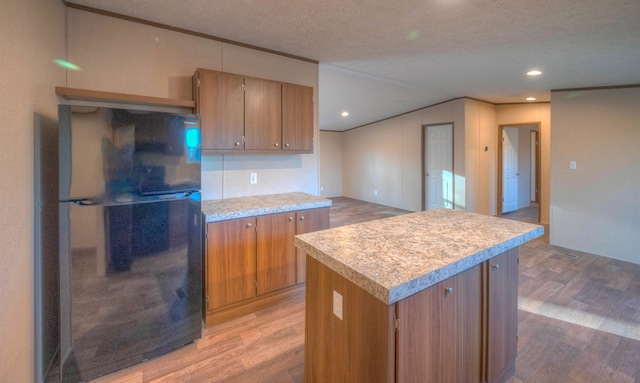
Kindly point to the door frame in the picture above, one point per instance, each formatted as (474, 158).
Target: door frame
(537, 158)
(453, 162)
(499, 171)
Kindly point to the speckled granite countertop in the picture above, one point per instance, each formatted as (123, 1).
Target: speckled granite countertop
(241, 207)
(396, 257)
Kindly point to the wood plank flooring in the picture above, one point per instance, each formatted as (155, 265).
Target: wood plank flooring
(579, 321)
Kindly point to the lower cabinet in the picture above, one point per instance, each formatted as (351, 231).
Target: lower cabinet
(252, 262)
(308, 221)
(502, 316)
(275, 252)
(463, 329)
(439, 331)
(230, 262)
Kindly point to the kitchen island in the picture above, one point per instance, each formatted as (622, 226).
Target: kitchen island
(422, 297)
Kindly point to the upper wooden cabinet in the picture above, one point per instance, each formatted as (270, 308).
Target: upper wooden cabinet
(259, 116)
(263, 114)
(220, 103)
(297, 117)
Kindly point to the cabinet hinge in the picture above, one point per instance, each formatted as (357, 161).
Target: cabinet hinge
(207, 299)
(396, 323)
(242, 88)
(198, 83)
(256, 283)
(243, 141)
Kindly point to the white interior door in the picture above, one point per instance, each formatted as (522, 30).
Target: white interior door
(439, 167)
(509, 169)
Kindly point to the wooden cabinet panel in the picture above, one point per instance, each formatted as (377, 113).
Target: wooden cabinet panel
(263, 113)
(306, 222)
(439, 332)
(502, 316)
(359, 347)
(297, 117)
(275, 252)
(220, 103)
(231, 262)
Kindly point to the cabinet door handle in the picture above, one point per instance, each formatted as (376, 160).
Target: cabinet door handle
(448, 291)
(290, 218)
(276, 144)
(237, 144)
(248, 225)
(496, 266)
(302, 218)
(287, 145)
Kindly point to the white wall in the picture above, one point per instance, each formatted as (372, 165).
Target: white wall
(126, 57)
(32, 36)
(330, 164)
(596, 208)
(539, 113)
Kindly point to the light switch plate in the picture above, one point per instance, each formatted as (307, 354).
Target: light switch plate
(253, 178)
(573, 165)
(337, 304)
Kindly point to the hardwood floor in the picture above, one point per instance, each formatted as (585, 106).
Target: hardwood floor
(579, 321)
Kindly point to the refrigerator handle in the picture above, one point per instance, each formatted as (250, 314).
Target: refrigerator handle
(81, 201)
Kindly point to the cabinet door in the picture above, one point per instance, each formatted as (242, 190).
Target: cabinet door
(231, 262)
(275, 253)
(297, 117)
(306, 222)
(502, 272)
(220, 103)
(263, 112)
(439, 332)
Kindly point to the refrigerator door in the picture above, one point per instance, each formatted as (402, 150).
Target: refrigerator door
(130, 237)
(138, 293)
(112, 156)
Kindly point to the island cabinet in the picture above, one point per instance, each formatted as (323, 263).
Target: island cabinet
(252, 262)
(423, 297)
(502, 316)
(251, 115)
(462, 329)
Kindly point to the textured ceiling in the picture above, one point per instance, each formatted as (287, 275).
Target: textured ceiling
(381, 57)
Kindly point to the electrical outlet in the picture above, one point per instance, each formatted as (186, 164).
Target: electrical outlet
(573, 165)
(337, 304)
(253, 178)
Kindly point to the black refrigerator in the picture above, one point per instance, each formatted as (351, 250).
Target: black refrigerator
(130, 237)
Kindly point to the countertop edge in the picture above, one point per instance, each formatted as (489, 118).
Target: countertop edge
(257, 209)
(394, 294)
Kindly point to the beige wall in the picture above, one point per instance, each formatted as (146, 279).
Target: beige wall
(539, 113)
(387, 157)
(121, 56)
(596, 208)
(480, 165)
(330, 164)
(32, 36)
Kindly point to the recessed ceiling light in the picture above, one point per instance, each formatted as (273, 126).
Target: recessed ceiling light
(345, 114)
(534, 73)
(531, 98)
